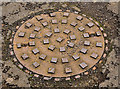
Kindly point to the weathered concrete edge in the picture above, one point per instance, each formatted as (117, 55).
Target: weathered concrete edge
(59, 0)
(119, 43)
(0, 45)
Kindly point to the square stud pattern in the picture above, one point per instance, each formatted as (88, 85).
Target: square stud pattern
(35, 64)
(39, 18)
(37, 29)
(90, 24)
(76, 57)
(19, 45)
(51, 70)
(54, 21)
(32, 36)
(59, 39)
(71, 44)
(64, 60)
(94, 55)
(79, 18)
(35, 51)
(24, 56)
(48, 34)
(83, 65)
(56, 30)
(66, 14)
(73, 24)
(87, 43)
(54, 60)
(72, 37)
(81, 28)
(62, 49)
(51, 47)
(83, 50)
(42, 56)
(64, 21)
(28, 25)
(46, 41)
(21, 34)
(31, 43)
(68, 70)
(44, 24)
(98, 33)
(52, 14)
(86, 35)
(98, 44)
(66, 31)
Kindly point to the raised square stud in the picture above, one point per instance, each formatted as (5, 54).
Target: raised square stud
(81, 28)
(28, 25)
(72, 37)
(52, 14)
(43, 56)
(35, 64)
(75, 57)
(19, 45)
(86, 35)
(90, 24)
(66, 14)
(31, 43)
(35, 51)
(68, 70)
(94, 55)
(83, 50)
(98, 44)
(44, 24)
(24, 56)
(62, 49)
(39, 18)
(83, 65)
(51, 70)
(51, 47)
(64, 60)
(48, 34)
(59, 39)
(98, 33)
(71, 44)
(64, 21)
(87, 43)
(56, 30)
(54, 60)
(79, 18)
(66, 31)
(37, 29)
(32, 36)
(21, 34)
(46, 41)
(54, 21)
(73, 24)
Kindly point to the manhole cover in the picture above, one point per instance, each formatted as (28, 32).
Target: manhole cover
(58, 44)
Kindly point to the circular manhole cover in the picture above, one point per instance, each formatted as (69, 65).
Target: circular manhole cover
(58, 44)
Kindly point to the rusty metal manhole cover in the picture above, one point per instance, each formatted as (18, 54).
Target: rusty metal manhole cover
(59, 44)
